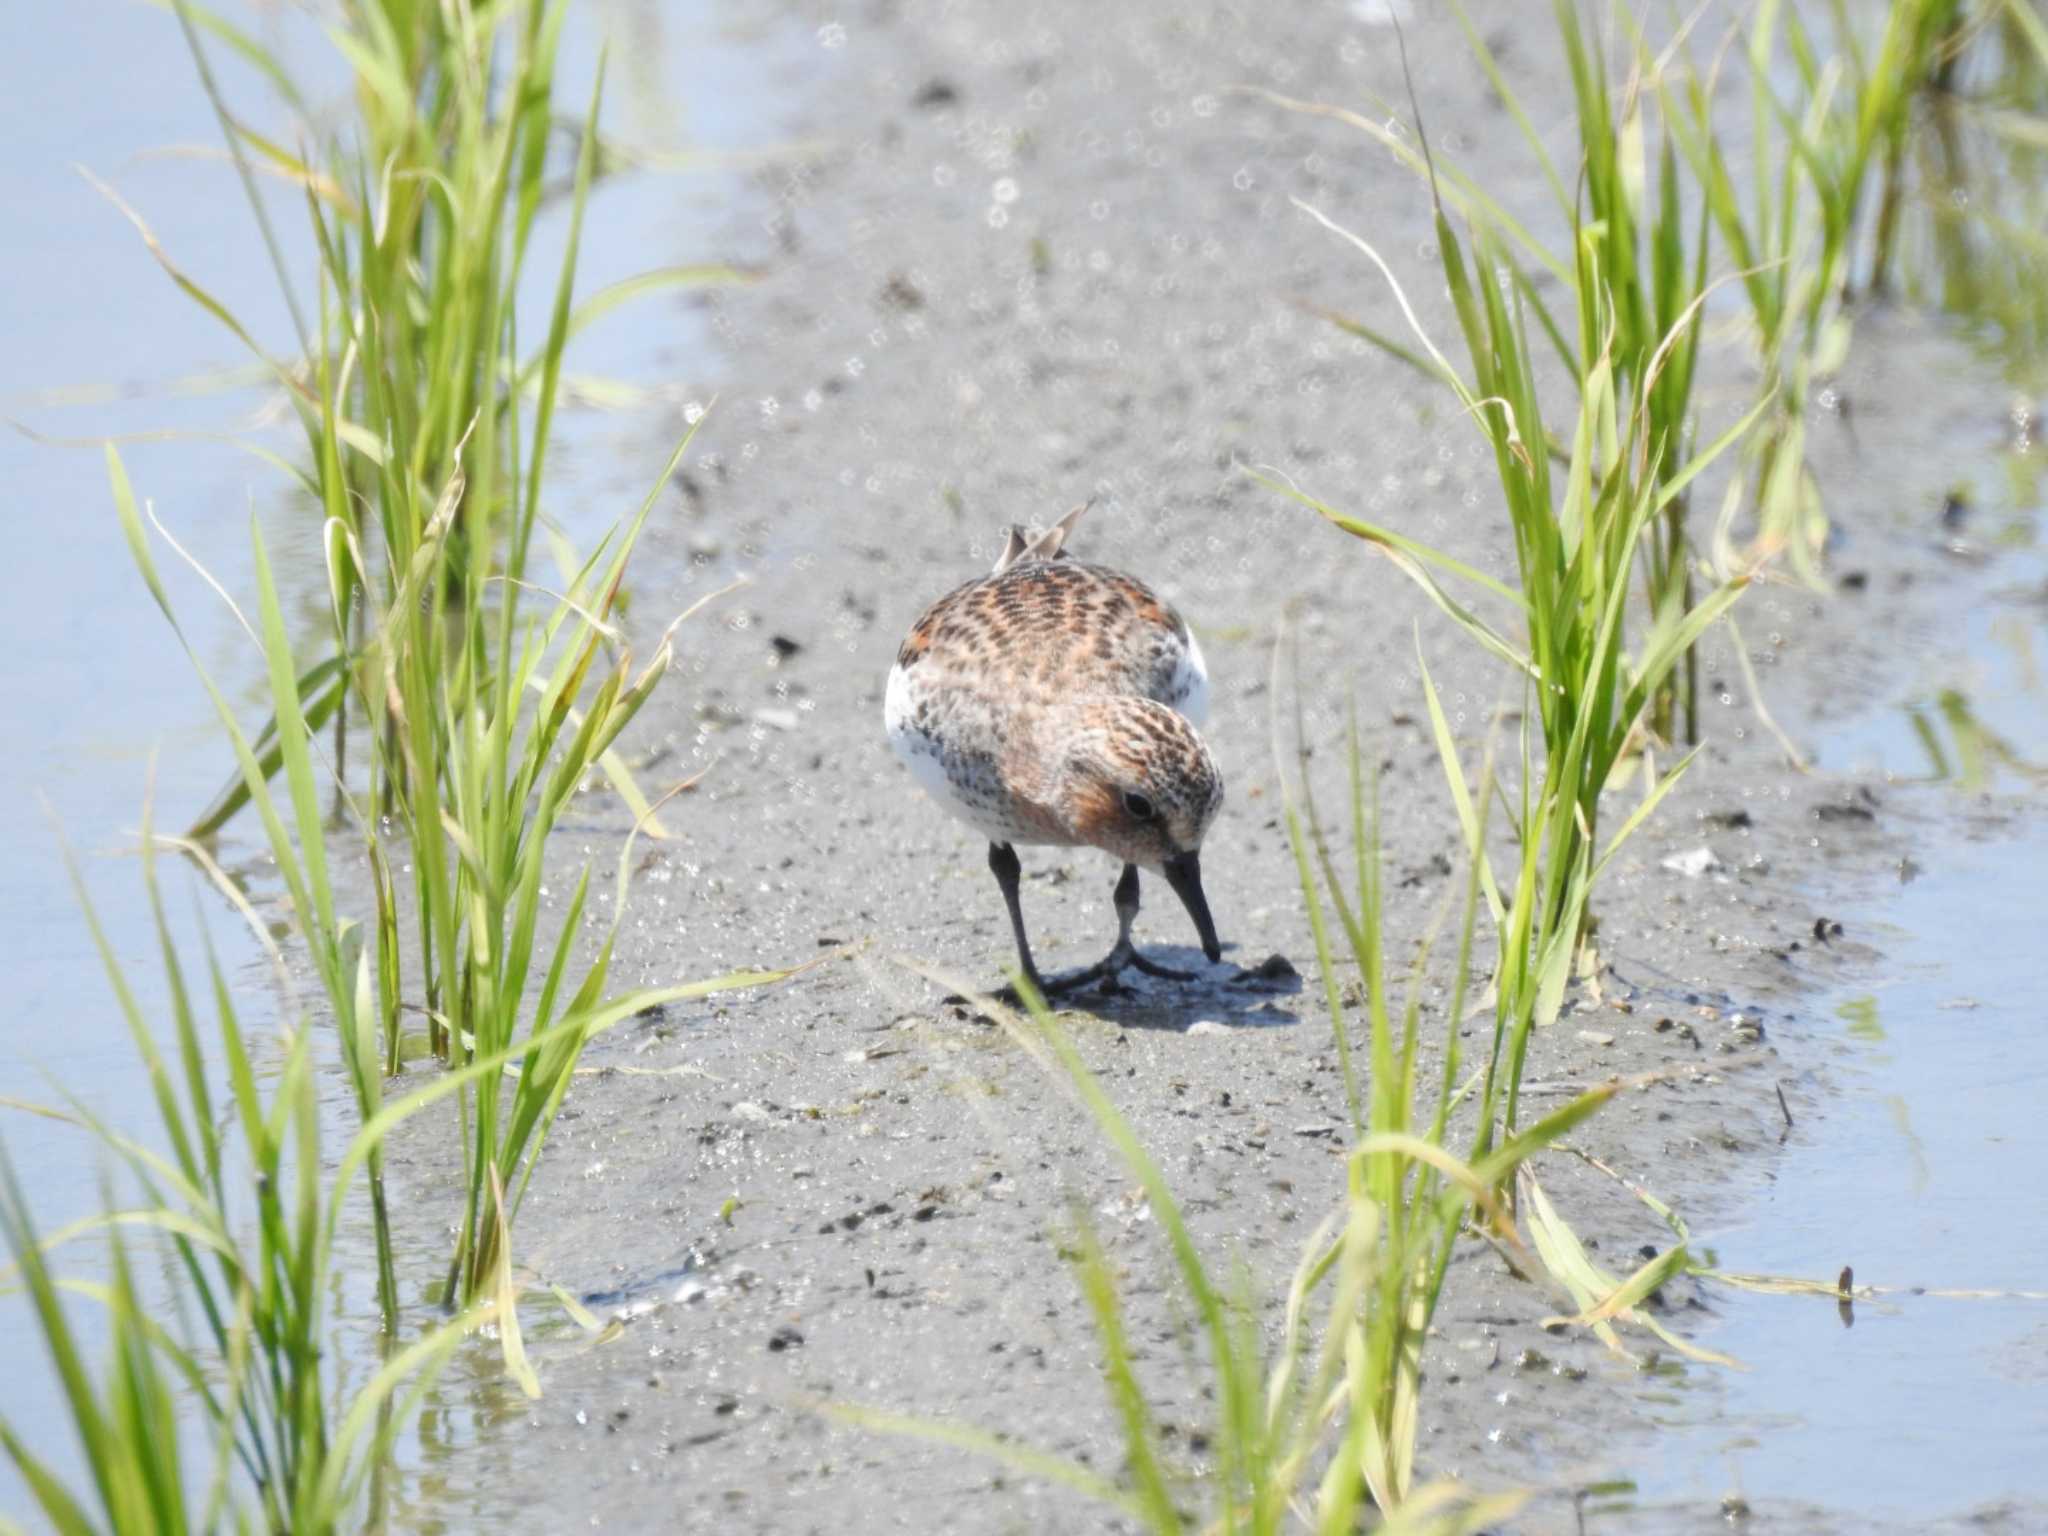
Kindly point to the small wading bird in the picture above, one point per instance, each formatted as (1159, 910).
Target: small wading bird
(1056, 702)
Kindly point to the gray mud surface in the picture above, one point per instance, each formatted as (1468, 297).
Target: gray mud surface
(911, 375)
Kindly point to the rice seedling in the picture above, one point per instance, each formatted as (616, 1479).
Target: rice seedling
(1576, 545)
(428, 430)
(1801, 240)
(1426, 1194)
(1796, 241)
(1417, 1197)
(229, 1414)
(1532, 966)
(517, 1055)
(1578, 539)
(334, 944)
(248, 1207)
(427, 427)
(1654, 273)
(1636, 266)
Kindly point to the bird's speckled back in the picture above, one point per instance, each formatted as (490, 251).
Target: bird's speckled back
(1063, 627)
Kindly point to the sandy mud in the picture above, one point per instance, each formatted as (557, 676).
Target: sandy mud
(1046, 253)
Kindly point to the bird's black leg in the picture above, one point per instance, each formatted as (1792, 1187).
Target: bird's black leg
(1127, 914)
(1003, 864)
(1126, 902)
(1118, 959)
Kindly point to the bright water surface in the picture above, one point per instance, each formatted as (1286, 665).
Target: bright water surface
(1924, 1168)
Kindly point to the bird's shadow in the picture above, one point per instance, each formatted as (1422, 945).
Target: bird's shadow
(1221, 995)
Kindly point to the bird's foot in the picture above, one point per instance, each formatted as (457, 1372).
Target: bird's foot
(1106, 975)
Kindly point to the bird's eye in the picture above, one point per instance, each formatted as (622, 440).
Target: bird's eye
(1137, 805)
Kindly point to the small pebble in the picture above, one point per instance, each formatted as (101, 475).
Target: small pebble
(1693, 863)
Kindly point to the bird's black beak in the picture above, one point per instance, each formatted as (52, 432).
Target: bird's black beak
(1184, 873)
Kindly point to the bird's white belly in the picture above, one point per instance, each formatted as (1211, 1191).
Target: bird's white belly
(920, 753)
(952, 773)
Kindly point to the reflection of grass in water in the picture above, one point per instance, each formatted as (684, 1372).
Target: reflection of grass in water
(1860, 1014)
(1973, 198)
(2016, 635)
(1961, 748)
(1902, 1118)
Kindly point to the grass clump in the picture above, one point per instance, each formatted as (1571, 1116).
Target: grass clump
(1578, 539)
(1410, 1197)
(1638, 272)
(1830, 117)
(1826, 132)
(1586, 512)
(1636, 268)
(232, 1415)
(247, 1208)
(517, 1056)
(486, 701)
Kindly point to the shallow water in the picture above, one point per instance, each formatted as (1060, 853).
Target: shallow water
(1921, 1170)
(100, 342)
(1975, 717)
(1923, 1173)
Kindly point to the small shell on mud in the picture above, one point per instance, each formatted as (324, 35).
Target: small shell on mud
(1694, 862)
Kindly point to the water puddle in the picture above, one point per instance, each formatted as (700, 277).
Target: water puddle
(1920, 1174)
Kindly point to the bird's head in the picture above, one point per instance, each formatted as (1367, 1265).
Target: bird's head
(1136, 779)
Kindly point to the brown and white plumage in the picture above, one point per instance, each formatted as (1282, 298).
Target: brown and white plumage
(1054, 701)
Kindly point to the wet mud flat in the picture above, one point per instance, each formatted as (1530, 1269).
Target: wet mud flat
(1049, 255)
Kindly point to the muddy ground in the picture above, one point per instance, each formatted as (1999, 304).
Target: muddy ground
(1045, 254)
